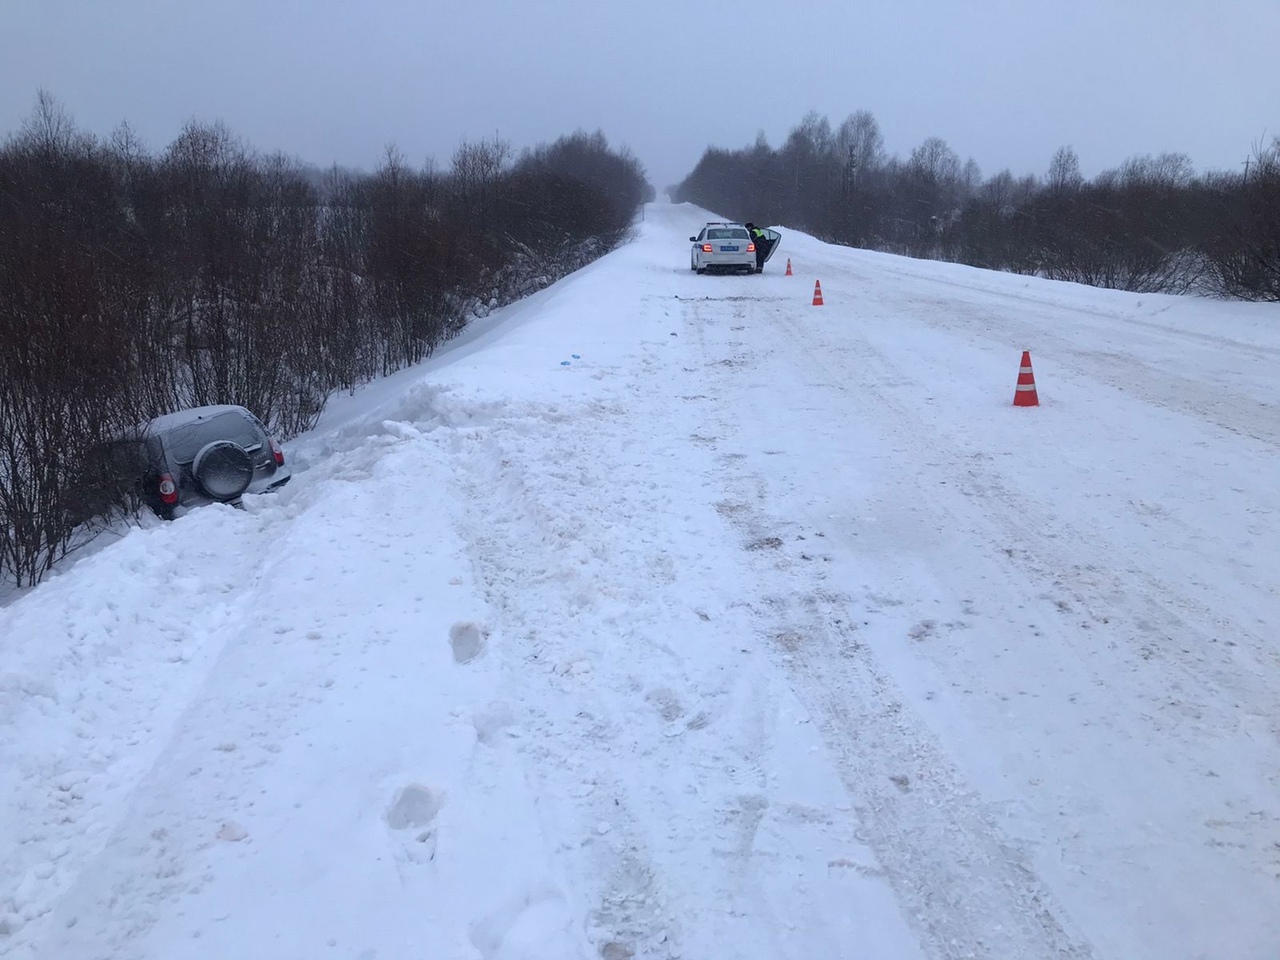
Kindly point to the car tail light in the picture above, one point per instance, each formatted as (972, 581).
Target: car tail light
(706, 248)
(277, 452)
(751, 248)
(168, 489)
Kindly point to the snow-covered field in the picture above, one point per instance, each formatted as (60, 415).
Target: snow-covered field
(759, 630)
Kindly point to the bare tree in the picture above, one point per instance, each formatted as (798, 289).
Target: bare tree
(1163, 170)
(477, 170)
(1244, 255)
(970, 179)
(859, 141)
(64, 348)
(1064, 172)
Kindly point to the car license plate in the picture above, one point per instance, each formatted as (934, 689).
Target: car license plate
(728, 249)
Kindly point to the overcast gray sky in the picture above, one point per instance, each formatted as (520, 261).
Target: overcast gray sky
(1002, 81)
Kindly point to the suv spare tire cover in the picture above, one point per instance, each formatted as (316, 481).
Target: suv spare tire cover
(223, 469)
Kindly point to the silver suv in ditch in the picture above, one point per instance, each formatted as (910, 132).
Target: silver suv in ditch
(197, 456)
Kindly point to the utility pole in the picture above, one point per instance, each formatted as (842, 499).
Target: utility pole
(847, 191)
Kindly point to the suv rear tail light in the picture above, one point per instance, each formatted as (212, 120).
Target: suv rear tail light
(706, 248)
(751, 248)
(168, 489)
(277, 452)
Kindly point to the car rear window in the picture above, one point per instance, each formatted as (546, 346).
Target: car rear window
(726, 233)
(184, 442)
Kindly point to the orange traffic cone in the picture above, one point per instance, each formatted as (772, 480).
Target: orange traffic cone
(788, 273)
(1025, 395)
(817, 293)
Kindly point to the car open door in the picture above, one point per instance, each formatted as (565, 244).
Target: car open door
(769, 242)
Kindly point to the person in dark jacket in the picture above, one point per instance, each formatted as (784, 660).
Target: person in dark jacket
(758, 238)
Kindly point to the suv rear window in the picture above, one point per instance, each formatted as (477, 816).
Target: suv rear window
(184, 442)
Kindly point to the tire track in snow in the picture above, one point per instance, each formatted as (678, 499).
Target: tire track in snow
(576, 525)
(1180, 701)
(1169, 708)
(1206, 671)
(967, 890)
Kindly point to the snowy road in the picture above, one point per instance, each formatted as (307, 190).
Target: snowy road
(759, 630)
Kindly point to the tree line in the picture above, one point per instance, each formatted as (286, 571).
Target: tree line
(1151, 225)
(133, 284)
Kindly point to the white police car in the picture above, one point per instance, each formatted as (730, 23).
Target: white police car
(723, 247)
